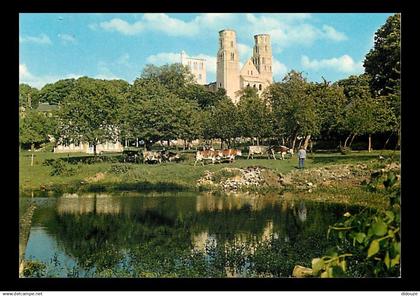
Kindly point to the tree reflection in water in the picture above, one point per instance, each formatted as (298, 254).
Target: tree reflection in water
(185, 235)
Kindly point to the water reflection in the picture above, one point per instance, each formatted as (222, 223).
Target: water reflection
(182, 234)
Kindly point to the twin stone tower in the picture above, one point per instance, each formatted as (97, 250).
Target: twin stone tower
(256, 72)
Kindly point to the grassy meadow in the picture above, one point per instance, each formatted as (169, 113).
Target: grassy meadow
(113, 175)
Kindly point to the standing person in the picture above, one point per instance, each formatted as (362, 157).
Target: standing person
(301, 156)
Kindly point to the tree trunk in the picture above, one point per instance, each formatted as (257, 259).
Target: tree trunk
(137, 142)
(169, 144)
(185, 144)
(32, 156)
(387, 140)
(94, 150)
(305, 144)
(294, 142)
(221, 143)
(352, 138)
(125, 143)
(258, 141)
(398, 139)
(345, 142)
(370, 143)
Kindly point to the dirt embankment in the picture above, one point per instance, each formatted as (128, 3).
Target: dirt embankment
(234, 179)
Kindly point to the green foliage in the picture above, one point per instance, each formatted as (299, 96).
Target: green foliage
(330, 266)
(28, 97)
(294, 108)
(174, 77)
(35, 269)
(373, 238)
(35, 128)
(254, 115)
(383, 61)
(61, 168)
(88, 114)
(222, 121)
(345, 150)
(55, 93)
(119, 169)
(222, 175)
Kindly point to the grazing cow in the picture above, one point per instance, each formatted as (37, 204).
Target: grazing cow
(230, 154)
(170, 156)
(283, 150)
(207, 154)
(151, 156)
(260, 150)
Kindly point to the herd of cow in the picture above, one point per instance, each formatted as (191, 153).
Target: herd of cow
(215, 155)
(230, 154)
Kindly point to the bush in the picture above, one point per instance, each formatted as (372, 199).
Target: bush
(345, 150)
(60, 168)
(118, 169)
(34, 269)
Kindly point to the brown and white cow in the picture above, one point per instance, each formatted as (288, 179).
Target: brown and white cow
(170, 156)
(207, 155)
(283, 150)
(230, 154)
(260, 150)
(152, 156)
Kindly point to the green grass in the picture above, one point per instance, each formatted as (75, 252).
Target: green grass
(165, 176)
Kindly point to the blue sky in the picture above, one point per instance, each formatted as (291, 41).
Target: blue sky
(55, 46)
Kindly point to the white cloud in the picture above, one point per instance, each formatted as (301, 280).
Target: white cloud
(285, 29)
(41, 39)
(164, 58)
(121, 26)
(171, 26)
(279, 69)
(25, 76)
(67, 38)
(245, 52)
(289, 29)
(333, 34)
(344, 64)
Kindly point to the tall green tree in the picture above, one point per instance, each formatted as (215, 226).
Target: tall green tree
(34, 129)
(382, 62)
(153, 113)
(293, 107)
(175, 77)
(88, 113)
(54, 93)
(254, 115)
(329, 101)
(28, 97)
(222, 121)
(364, 114)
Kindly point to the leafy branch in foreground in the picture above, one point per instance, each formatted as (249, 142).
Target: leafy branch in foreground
(370, 241)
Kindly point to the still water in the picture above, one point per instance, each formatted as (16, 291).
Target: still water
(177, 235)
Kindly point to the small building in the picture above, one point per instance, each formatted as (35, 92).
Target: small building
(196, 66)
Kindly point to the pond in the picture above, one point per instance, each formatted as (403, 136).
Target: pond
(179, 234)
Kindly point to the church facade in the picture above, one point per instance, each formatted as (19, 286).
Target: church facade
(256, 72)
